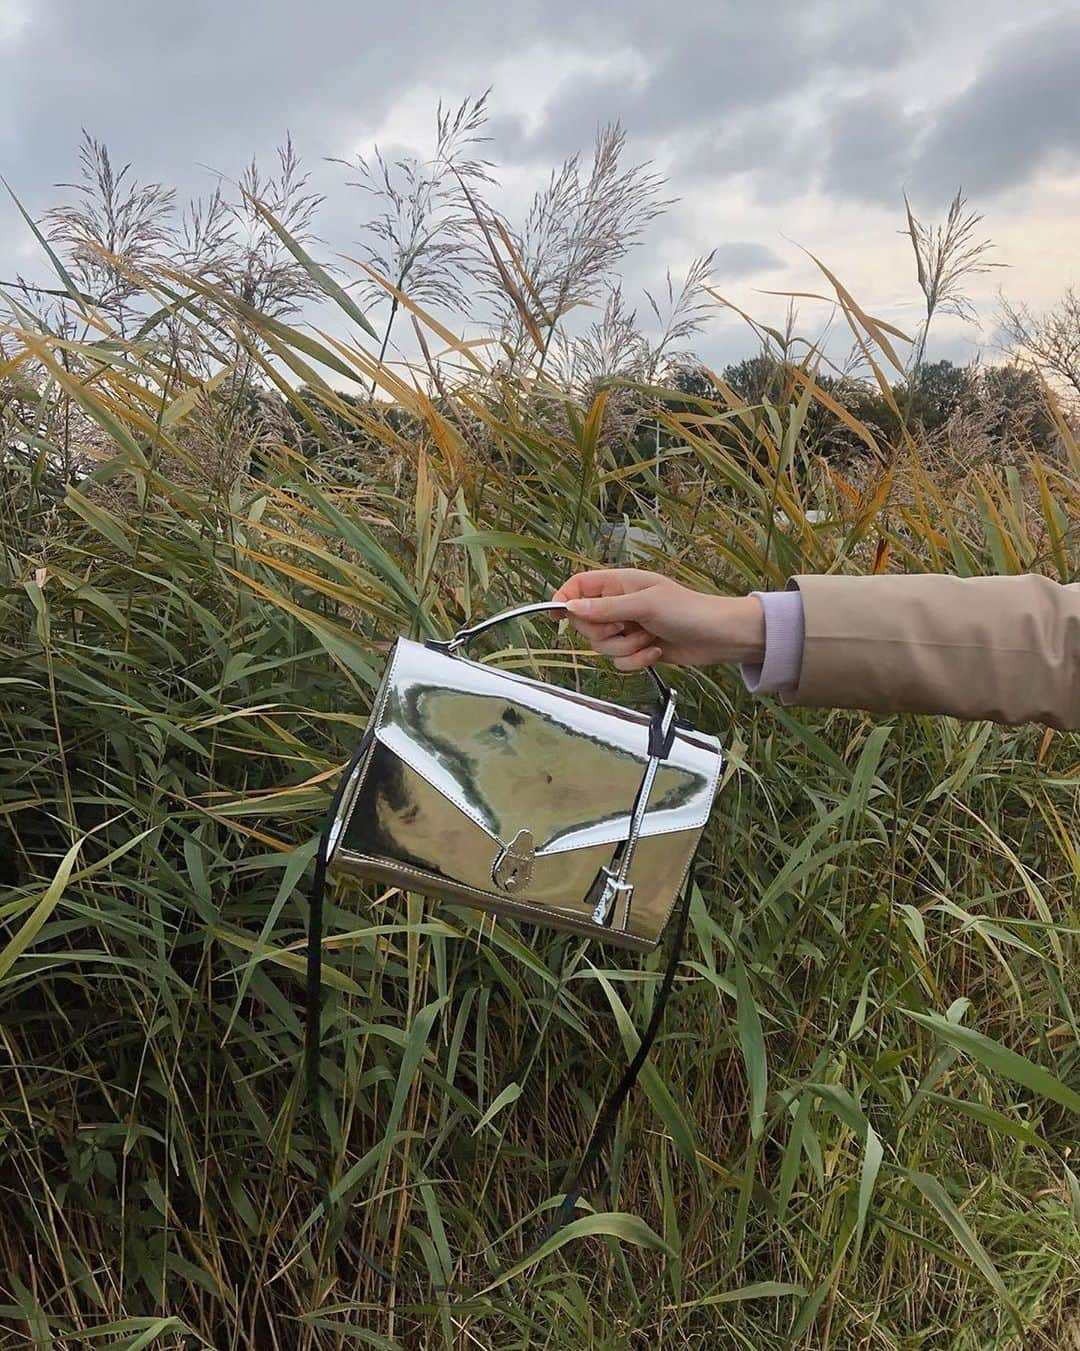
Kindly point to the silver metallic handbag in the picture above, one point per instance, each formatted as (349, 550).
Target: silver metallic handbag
(516, 796)
(494, 790)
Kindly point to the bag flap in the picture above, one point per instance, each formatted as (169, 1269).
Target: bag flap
(517, 754)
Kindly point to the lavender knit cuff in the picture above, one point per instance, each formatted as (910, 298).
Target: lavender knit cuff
(784, 632)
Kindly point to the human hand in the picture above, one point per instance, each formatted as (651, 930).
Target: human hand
(639, 618)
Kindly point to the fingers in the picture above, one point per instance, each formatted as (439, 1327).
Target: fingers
(625, 644)
(633, 606)
(597, 633)
(616, 640)
(605, 582)
(610, 608)
(638, 661)
(599, 583)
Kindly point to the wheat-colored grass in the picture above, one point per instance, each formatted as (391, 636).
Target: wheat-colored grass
(860, 1120)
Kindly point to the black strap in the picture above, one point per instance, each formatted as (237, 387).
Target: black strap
(313, 1029)
(313, 996)
(610, 1111)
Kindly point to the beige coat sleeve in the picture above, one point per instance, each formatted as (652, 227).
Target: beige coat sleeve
(1004, 648)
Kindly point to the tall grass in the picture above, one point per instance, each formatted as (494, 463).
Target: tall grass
(858, 1126)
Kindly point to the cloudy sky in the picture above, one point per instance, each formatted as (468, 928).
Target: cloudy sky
(781, 126)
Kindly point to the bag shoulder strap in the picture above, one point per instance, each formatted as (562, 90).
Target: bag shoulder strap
(313, 997)
(609, 1113)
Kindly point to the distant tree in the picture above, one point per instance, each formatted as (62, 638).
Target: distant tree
(1006, 401)
(1051, 340)
(756, 378)
(753, 379)
(1014, 404)
(936, 390)
(694, 380)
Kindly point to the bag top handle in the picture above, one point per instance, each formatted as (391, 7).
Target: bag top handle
(466, 635)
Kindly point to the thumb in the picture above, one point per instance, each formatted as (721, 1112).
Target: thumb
(630, 606)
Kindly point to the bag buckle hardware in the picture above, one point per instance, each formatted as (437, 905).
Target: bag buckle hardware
(613, 888)
(513, 866)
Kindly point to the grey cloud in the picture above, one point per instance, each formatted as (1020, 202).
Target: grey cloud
(724, 89)
(508, 137)
(208, 84)
(569, 126)
(1019, 115)
(742, 257)
(870, 147)
(873, 37)
(959, 347)
(187, 92)
(177, 87)
(776, 157)
(712, 65)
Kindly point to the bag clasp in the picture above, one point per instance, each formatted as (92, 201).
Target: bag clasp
(513, 866)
